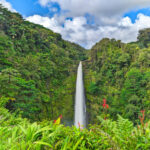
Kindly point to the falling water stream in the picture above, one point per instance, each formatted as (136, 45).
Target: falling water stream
(80, 106)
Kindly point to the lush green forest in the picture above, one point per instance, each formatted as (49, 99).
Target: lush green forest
(119, 73)
(37, 68)
(37, 85)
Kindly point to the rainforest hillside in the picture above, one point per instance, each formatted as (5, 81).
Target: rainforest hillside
(38, 72)
(119, 73)
(37, 69)
(37, 84)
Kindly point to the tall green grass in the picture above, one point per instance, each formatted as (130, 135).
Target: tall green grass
(19, 134)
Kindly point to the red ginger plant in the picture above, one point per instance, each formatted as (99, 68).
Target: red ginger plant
(142, 119)
(104, 104)
(80, 126)
(58, 120)
(105, 107)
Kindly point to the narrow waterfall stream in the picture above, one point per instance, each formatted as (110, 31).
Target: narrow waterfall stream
(80, 106)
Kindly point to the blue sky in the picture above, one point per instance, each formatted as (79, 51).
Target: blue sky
(133, 13)
(86, 22)
(31, 7)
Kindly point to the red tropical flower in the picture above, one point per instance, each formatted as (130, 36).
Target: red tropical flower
(107, 106)
(58, 121)
(79, 125)
(142, 118)
(104, 101)
(60, 116)
(104, 105)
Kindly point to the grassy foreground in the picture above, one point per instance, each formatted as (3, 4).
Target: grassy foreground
(18, 134)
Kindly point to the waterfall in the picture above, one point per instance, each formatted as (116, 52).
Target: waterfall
(80, 106)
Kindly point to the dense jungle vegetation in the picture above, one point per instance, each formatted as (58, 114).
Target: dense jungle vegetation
(37, 66)
(37, 84)
(119, 73)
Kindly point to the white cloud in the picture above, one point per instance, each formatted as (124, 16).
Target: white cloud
(105, 11)
(50, 23)
(44, 2)
(7, 5)
(108, 20)
(78, 31)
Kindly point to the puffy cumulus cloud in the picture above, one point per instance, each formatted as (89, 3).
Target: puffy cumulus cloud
(50, 23)
(78, 31)
(107, 14)
(44, 2)
(104, 11)
(7, 5)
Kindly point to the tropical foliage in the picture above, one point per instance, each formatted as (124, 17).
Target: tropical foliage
(37, 84)
(36, 68)
(19, 134)
(119, 73)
